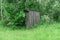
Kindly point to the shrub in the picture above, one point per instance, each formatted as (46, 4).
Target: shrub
(13, 11)
(51, 8)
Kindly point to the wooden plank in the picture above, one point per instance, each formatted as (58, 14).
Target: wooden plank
(36, 17)
(32, 18)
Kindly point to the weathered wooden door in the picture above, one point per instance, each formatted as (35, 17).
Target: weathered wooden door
(32, 18)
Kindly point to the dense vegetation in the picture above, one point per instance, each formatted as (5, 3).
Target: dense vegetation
(13, 11)
(14, 14)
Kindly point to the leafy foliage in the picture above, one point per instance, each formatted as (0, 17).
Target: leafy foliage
(13, 10)
(51, 8)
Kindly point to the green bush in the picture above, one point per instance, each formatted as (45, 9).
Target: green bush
(51, 8)
(13, 11)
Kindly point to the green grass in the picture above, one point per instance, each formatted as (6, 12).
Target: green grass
(40, 32)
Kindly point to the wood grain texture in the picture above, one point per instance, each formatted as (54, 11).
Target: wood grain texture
(32, 18)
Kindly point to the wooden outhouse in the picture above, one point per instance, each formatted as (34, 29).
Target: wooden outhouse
(32, 18)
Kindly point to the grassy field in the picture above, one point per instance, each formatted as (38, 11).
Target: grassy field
(40, 32)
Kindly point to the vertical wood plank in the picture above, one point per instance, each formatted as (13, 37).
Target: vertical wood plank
(32, 18)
